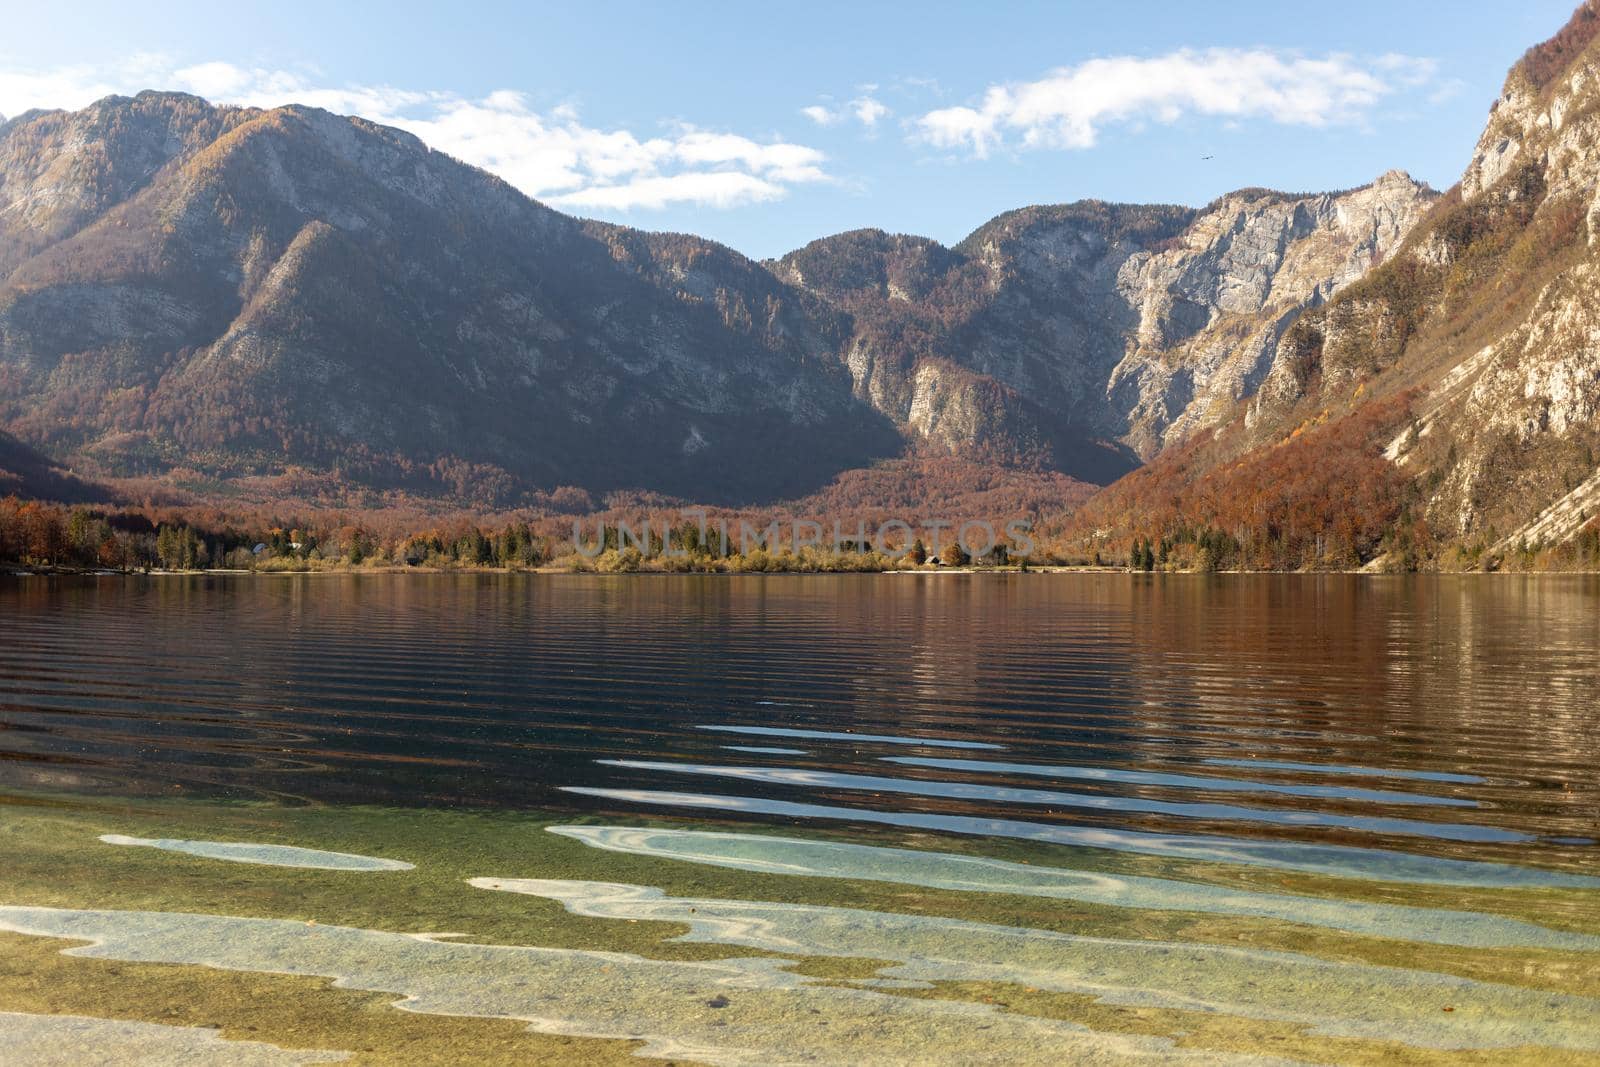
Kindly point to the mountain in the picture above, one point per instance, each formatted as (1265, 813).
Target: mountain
(1446, 403)
(229, 302)
(218, 297)
(24, 472)
(1064, 327)
(233, 292)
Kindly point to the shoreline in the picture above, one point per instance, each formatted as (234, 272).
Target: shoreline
(15, 571)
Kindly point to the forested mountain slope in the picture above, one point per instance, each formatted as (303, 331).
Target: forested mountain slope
(1449, 400)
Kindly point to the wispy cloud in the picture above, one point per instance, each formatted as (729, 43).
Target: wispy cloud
(822, 116)
(1069, 107)
(712, 188)
(865, 109)
(548, 153)
(868, 111)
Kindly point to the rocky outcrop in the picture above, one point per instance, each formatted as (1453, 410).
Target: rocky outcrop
(1136, 326)
(1002, 344)
(1213, 309)
(1469, 351)
(1507, 443)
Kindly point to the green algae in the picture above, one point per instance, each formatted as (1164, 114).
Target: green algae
(1337, 999)
(32, 1038)
(809, 858)
(293, 1013)
(55, 860)
(727, 1012)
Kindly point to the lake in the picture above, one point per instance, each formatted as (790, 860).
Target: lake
(881, 818)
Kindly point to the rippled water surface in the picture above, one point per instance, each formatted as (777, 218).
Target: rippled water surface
(1385, 787)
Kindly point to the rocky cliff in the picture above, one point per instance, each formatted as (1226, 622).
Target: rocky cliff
(1507, 437)
(1212, 308)
(1488, 312)
(1135, 326)
(1465, 365)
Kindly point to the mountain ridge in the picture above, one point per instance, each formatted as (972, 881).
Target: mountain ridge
(339, 287)
(221, 298)
(236, 291)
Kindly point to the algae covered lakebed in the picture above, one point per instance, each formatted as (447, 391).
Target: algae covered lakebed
(711, 945)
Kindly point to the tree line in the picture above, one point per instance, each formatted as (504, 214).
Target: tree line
(38, 534)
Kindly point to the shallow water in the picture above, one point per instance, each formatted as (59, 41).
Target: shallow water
(765, 1014)
(267, 855)
(795, 857)
(1331, 998)
(38, 1039)
(1362, 795)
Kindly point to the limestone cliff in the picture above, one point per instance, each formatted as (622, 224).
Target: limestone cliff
(1213, 308)
(1509, 434)
(1503, 345)
(1453, 388)
(1130, 325)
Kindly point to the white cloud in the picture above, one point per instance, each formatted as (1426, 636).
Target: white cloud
(714, 188)
(868, 111)
(1070, 106)
(215, 80)
(864, 109)
(549, 154)
(67, 87)
(821, 115)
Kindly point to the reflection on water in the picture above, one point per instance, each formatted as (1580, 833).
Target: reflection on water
(1180, 781)
(494, 690)
(1334, 860)
(1334, 768)
(853, 738)
(268, 855)
(816, 781)
(1407, 763)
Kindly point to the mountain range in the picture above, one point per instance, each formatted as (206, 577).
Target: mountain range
(221, 299)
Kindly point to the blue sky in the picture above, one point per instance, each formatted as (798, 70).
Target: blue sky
(767, 128)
